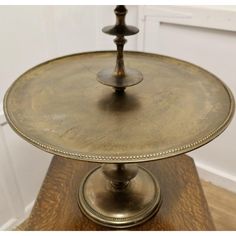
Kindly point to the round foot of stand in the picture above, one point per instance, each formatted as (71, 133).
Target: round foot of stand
(119, 208)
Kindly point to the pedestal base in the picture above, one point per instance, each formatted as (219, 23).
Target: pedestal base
(183, 207)
(127, 207)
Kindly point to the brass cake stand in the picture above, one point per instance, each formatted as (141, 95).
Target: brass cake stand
(60, 107)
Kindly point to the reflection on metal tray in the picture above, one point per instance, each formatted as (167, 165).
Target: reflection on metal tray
(60, 107)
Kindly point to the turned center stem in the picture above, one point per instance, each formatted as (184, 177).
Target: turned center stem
(120, 41)
(119, 175)
(120, 66)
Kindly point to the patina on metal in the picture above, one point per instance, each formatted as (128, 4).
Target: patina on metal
(120, 78)
(119, 195)
(59, 107)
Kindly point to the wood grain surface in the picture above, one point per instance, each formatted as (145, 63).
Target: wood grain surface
(222, 205)
(183, 208)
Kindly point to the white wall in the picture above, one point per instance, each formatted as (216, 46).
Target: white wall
(32, 34)
(205, 36)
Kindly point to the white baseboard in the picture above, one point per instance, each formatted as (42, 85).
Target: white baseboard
(217, 177)
(28, 208)
(2, 116)
(14, 222)
(9, 224)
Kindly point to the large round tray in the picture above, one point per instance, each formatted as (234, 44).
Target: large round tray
(59, 107)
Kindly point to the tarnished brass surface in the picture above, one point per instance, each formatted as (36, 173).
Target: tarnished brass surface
(109, 205)
(120, 78)
(60, 107)
(120, 28)
(119, 175)
(131, 78)
(119, 195)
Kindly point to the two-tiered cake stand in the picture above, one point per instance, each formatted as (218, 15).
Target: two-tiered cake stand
(60, 107)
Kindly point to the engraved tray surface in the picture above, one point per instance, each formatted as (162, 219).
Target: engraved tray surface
(60, 107)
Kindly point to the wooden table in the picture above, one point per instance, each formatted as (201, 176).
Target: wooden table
(184, 206)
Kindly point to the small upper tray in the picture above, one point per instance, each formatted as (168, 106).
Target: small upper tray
(60, 107)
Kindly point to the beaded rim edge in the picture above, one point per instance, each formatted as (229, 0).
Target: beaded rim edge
(127, 158)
